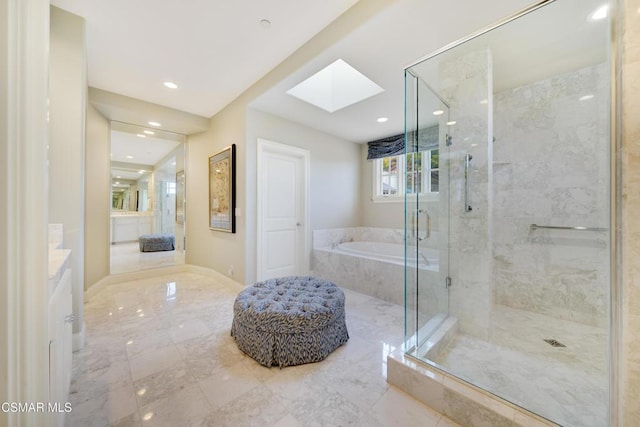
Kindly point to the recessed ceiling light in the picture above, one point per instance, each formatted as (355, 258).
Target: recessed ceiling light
(117, 182)
(149, 132)
(173, 164)
(265, 23)
(141, 171)
(484, 102)
(147, 416)
(118, 176)
(129, 157)
(336, 86)
(171, 85)
(382, 119)
(438, 113)
(156, 124)
(451, 123)
(599, 13)
(139, 135)
(585, 98)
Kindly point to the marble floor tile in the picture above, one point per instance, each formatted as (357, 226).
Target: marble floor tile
(162, 384)
(228, 384)
(126, 257)
(395, 409)
(186, 408)
(154, 361)
(147, 370)
(258, 407)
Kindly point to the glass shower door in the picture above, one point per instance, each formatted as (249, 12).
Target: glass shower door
(426, 205)
(520, 304)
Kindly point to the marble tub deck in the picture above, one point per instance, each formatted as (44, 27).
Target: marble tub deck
(158, 352)
(568, 385)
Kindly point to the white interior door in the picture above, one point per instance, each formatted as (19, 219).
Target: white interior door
(283, 226)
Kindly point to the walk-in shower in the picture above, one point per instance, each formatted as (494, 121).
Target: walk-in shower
(520, 305)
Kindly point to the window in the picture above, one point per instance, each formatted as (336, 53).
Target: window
(389, 175)
(422, 175)
(170, 188)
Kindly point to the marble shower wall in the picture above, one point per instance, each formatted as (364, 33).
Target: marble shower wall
(551, 167)
(466, 85)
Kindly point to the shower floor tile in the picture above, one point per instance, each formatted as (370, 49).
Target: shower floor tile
(568, 385)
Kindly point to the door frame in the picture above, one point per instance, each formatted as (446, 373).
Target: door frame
(265, 146)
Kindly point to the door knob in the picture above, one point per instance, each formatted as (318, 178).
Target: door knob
(298, 224)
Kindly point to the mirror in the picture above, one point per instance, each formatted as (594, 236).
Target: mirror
(144, 166)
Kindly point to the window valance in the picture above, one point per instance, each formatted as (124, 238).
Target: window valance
(425, 139)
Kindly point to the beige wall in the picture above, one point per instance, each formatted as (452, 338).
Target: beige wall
(335, 176)
(97, 191)
(207, 248)
(214, 249)
(67, 105)
(377, 214)
(335, 185)
(630, 224)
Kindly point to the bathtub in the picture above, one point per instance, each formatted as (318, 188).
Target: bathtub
(370, 267)
(391, 252)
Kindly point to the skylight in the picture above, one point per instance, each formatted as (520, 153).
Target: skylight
(335, 87)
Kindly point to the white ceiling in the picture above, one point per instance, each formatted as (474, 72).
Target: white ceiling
(525, 52)
(213, 49)
(145, 151)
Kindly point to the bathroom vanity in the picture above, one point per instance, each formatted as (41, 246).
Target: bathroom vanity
(60, 323)
(128, 226)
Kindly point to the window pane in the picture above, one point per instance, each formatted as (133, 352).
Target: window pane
(409, 162)
(435, 159)
(435, 181)
(418, 161)
(385, 164)
(417, 186)
(394, 165)
(393, 184)
(385, 185)
(409, 183)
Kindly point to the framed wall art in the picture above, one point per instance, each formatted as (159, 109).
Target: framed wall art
(222, 190)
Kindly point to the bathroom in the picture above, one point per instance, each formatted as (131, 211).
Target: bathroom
(499, 200)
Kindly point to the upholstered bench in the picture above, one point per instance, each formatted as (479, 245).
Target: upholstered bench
(156, 242)
(289, 320)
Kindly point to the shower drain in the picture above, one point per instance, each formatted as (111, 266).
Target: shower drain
(554, 343)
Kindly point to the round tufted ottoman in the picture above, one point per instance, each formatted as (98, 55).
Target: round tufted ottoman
(156, 242)
(289, 320)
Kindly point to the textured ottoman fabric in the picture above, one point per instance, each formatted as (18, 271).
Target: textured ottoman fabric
(156, 242)
(289, 320)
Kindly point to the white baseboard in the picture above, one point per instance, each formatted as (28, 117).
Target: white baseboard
(155, 272)
(213, 273)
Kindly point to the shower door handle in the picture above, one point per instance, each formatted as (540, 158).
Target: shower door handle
(467, 163)
(427, 224)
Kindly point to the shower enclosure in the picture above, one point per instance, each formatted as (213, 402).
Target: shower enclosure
(515, 125)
